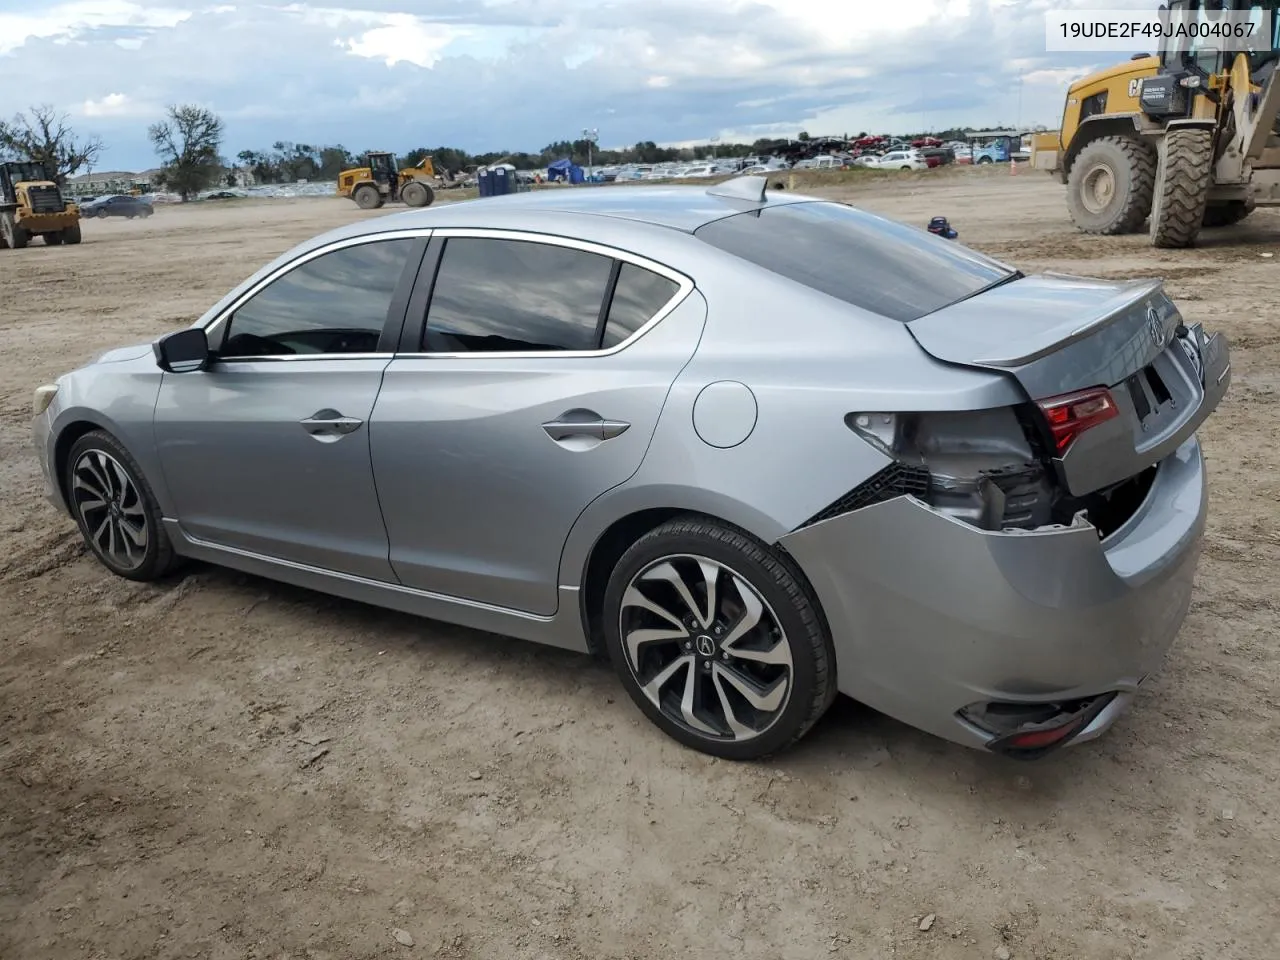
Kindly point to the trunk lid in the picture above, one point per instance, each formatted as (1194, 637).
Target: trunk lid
(1057, 334)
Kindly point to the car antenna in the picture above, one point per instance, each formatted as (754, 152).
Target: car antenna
(751, 188)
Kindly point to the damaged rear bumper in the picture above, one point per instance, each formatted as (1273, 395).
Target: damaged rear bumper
(930, 615)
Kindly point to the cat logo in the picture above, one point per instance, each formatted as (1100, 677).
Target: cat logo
(1134, 87)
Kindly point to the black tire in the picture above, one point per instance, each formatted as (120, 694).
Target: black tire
(415, 193)
(1130, 166)
(786, 600)
(52, 239)
(18, 236)
(156, 557)
(102, 213)
(1225, 214)
(1182, 187)
(367, 197)
(982, 160)
(71, 235)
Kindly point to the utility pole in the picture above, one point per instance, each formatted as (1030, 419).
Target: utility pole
(591, 135)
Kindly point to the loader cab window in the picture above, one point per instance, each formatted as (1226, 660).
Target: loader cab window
(27, 171)
(1189, 53)
(381, 167)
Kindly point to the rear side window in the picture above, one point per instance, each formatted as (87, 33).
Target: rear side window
(639, 294)
(888, 268)
(514, 295)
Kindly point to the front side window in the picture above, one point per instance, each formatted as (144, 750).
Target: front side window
(336, 303)
(493, 295)
(889, 268)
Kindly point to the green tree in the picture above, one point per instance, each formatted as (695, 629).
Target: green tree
(333, 160)
(187, 143)
(43, 135)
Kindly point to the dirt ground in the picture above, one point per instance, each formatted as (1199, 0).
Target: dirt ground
(222, 767)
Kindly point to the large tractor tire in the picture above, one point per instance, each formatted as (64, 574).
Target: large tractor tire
(1225, 214)
(367, 197)
(53, 239)
(1183, 179)
(71, 235)
(415, 193)
(14, 235)
(1110, 185)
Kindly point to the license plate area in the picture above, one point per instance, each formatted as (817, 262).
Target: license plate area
(1165, 394)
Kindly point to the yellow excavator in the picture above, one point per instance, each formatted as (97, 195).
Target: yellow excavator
(379, 182)
(32, 205)
(1183, 140)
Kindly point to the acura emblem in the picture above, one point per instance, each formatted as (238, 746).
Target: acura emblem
(1155, 328)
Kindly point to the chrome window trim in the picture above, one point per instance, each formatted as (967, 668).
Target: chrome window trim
(413, 233)
(684, 287)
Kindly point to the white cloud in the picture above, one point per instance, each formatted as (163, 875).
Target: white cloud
(66, 20)
(404, 38)
(1057, 77)
(116, 105)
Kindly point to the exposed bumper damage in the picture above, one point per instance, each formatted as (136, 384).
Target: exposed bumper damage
(931, 615)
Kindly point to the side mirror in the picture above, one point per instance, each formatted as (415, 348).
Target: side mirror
(185, 351)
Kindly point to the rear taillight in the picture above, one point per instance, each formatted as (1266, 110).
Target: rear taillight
(1072, 414)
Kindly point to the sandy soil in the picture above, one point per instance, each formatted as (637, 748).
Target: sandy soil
(222, 767)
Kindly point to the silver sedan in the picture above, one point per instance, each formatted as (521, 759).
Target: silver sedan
(756, 447)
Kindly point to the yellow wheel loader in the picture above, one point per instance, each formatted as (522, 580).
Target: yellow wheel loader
(32, 205)
(1183, 140)
(379, 182)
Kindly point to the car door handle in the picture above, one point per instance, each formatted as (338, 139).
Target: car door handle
(598, 429)
(330, 425)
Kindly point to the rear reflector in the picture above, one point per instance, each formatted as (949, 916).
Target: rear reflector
(1072, 414)
(1028, 731)
(1036, 739)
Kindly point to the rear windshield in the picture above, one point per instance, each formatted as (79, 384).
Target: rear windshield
(889, 268)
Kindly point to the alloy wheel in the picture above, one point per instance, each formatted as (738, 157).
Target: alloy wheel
(705, 647)
(110, 508)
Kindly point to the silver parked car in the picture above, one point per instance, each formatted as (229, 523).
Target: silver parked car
(758, 447)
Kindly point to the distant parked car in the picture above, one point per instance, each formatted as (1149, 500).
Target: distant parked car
(117, 206)
(901, 160)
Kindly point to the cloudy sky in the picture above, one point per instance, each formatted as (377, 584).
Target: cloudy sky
(517, 74)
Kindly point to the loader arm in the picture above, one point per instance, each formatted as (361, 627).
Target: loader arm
(1256, 123)
(1251, 155)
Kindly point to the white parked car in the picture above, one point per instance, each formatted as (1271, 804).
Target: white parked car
(826, 162)
(900, 160)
